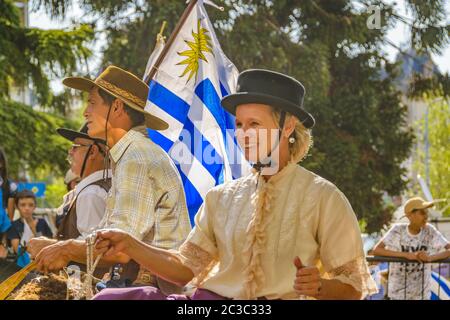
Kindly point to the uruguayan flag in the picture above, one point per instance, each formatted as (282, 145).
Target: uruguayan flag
(186, 93)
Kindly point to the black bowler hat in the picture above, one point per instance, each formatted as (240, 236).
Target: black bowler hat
(71, 135)
(271, 88)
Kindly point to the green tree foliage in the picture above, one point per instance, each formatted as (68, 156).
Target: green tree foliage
(438, 128)
(361, 136)
(54, 193)
(31, 57)
(33, 54)
(130, 26)
(30, 139)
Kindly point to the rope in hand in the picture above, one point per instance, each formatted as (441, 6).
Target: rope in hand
(90, 264)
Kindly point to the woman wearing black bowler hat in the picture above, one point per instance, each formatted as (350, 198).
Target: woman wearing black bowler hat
(281, 232)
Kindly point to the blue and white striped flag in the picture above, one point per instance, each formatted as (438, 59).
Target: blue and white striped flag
(186, 93)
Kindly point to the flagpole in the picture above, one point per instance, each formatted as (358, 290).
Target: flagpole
(172, 37)
(161, 31)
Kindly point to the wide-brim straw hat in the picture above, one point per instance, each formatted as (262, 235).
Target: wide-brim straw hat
(124, 86)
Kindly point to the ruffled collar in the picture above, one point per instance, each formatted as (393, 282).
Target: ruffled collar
(256, 238)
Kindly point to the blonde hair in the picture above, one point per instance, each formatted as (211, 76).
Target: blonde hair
(262, 198)
(303, 138)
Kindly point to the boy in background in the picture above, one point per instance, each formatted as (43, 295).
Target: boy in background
(26, 227)
(418, 241)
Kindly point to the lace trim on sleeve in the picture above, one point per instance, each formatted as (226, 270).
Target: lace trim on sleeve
(356, 273)
(198, 260)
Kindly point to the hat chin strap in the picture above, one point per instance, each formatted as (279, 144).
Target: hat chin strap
(106, 159)
(259, 165)
(83, 167)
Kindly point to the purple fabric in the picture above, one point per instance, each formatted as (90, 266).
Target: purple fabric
(152, 293)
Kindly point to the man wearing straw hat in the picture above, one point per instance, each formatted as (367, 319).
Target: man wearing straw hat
(146, 198)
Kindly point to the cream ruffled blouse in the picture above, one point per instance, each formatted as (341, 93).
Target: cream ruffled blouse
(244, 242)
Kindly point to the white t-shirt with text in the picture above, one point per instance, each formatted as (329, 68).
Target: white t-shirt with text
(413, 276)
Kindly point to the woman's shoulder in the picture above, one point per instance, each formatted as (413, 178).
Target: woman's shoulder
(230, 189)
(316, 183)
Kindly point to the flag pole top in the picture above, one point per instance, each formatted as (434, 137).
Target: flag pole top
(160, 36)
(172, 37)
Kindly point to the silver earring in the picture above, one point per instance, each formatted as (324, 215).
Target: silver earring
(291, 140)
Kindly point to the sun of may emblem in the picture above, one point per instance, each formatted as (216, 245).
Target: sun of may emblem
(200, 45)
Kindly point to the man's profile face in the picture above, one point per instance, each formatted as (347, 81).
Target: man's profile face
(95, 114)
(77, 153)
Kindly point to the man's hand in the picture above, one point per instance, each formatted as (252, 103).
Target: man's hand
(113, 242)
(423, 256)
(307, 280)
(53, 257)
(37, 244)
(411, 256)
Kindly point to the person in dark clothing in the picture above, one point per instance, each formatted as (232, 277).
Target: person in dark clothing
(8, 191)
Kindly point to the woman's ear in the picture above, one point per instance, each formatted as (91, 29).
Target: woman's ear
(289, 126)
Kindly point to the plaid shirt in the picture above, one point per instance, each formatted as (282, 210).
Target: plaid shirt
(146, 198)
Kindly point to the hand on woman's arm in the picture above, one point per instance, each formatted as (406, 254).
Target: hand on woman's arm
(309, 283)
(161, 262)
